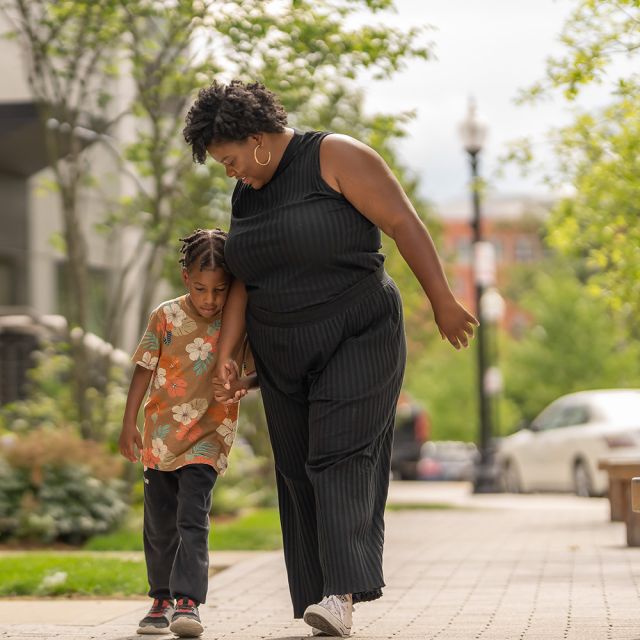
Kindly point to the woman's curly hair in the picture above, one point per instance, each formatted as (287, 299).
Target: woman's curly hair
(233, 112)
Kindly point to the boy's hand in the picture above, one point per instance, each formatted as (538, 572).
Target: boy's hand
(130, 439)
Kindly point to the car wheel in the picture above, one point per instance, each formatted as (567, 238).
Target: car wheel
(582, 484)
(510, 478)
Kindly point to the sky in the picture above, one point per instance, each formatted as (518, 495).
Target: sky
(488, 49)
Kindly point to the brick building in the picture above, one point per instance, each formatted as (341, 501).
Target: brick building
(513, 225)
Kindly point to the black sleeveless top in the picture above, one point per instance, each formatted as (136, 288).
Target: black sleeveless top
(296, 242)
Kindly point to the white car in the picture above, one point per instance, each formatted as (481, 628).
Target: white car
(560, 449)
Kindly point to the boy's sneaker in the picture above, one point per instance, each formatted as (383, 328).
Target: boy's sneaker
(186, 620)
(158, 618)
(333, 615)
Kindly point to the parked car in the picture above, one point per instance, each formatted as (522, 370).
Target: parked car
(411, 432)
(447, 460)
(560, 449)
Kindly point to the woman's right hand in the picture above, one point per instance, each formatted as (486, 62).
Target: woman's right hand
(226, 372)
(225, 382)
(455, 323)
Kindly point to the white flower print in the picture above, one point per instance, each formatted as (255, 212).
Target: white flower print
(174, 314)
(161, 378)
(148, 361)
(227, 430)
(184, 413)
(159, 448)
(223, 463)
(199, 349)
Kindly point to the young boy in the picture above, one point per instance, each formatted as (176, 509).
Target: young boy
(187, 434)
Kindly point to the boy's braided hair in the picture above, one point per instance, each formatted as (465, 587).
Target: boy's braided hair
(206, 247)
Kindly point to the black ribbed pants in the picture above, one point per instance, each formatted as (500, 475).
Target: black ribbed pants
(176, 530)
(330, 388)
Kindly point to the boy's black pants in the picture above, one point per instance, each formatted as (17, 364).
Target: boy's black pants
(176, 530)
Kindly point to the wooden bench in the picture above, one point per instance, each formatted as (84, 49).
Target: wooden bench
(621, 472)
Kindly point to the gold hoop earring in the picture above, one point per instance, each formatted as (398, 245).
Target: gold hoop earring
(255, 156)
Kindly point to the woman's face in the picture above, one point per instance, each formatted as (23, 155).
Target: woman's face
(239, 160)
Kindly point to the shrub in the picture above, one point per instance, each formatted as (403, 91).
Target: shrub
(56, 487)
(246, 484)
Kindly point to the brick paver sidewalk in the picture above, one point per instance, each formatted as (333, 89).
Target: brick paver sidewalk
(499, 568)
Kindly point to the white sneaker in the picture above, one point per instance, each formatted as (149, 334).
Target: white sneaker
(333, 615)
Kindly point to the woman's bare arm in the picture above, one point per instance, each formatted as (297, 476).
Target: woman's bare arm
(362, 176)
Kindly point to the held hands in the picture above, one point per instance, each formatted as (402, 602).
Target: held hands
(227, 384)
(455, 323)
(128, 441)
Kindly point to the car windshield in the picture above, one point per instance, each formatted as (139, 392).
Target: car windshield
(620, 407)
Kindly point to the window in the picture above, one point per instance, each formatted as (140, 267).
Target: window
(574, 415)
(550, 418)
(525, 250)
(7, 282)
(460, 286)
(498, 247)
(562, 415)
(463, 250)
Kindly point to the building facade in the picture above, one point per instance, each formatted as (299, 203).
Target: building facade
(514, 226)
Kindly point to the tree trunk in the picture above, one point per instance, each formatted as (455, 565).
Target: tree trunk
(77, 282)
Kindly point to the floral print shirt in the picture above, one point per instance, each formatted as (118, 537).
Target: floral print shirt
(183, 424)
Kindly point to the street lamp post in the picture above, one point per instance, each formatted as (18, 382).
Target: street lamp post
(473, 134)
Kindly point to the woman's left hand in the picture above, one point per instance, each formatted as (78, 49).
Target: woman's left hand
(455, 323)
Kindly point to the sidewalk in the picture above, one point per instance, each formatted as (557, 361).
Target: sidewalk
(491, 568)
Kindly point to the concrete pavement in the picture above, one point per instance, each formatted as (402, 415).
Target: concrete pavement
(491, 568)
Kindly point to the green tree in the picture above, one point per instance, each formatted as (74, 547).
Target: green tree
(574, 343)
(598, 154)
(600, 222)
(595, 37)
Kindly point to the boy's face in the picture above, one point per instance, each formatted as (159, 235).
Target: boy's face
(207, 289)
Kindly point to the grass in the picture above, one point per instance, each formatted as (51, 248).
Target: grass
(419, 506)
(258, 530)
(23, 574)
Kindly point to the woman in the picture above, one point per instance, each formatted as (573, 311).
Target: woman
(324, 322)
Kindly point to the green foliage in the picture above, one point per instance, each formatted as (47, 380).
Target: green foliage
(595, 35)
(575, 343)
(597, 155)
(601, 157)
(50, 401)
(55, 574)
(444, 381)
(257, 530)
(56, 487)
(248, 482)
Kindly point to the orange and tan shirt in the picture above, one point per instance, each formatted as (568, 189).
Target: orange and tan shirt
(183, 423)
